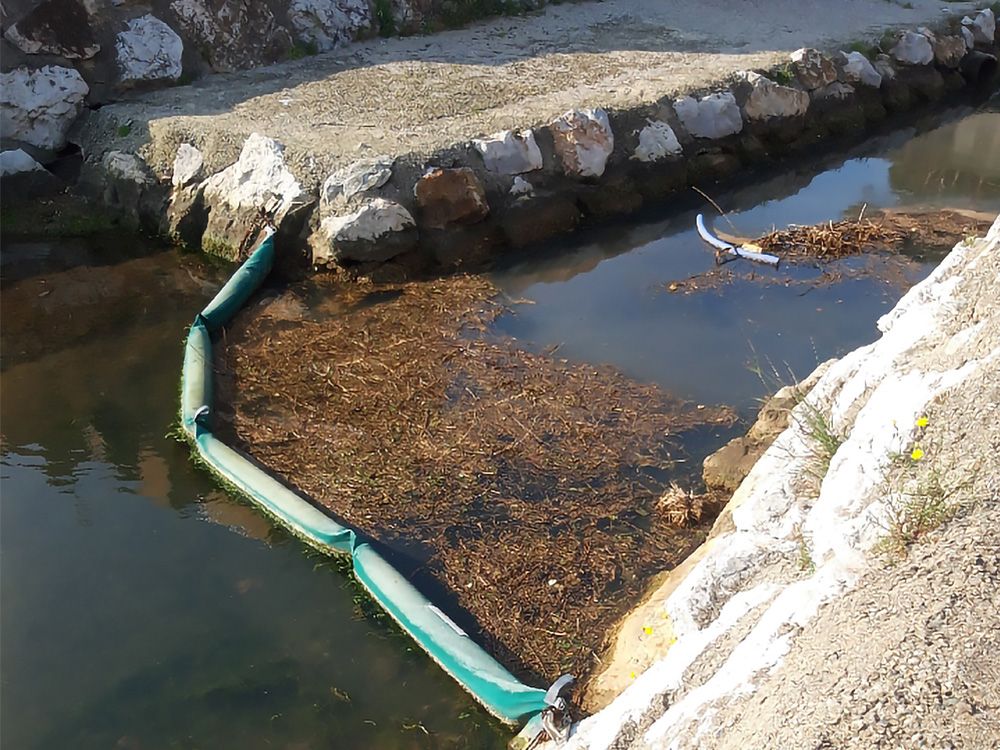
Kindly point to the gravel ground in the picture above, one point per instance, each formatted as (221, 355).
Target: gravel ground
(908, 660)
(911, 657)
(420, 94)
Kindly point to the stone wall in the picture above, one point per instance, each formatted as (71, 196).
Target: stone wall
(398, 215)
(461, 207)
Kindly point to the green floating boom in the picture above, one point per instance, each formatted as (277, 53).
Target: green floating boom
(502, 694)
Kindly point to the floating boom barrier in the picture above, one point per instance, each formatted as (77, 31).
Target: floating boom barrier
(499, 692)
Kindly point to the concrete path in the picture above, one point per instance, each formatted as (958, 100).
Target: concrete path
(423, 93)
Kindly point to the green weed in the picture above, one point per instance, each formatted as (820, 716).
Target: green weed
(823, 439)
(866, 48)
(888, 40)
(383, 14)
(300, 50)
(783, 74)
(914, 512)
(805, 560)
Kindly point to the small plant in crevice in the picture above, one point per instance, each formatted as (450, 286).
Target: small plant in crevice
(805, 559)
(915, 511)
(866, 48)
(824, 440)
(300, 50)
(386, 21)
(918, 499)
(783, 74)
(888, 40)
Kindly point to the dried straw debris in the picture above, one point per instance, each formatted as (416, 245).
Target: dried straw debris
(527, 486)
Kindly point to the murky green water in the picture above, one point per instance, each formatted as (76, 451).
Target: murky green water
(142, 608)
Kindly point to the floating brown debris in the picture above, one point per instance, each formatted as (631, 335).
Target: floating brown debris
(528, 485)
(887, 230)
(892, 238)
(831, 240)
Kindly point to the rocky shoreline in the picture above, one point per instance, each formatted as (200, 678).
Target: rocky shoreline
(461, 205)
(824, 540)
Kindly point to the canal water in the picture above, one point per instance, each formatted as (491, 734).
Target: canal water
(607, 300)
(143, 608)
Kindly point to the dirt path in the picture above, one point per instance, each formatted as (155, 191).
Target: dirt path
(419, 94)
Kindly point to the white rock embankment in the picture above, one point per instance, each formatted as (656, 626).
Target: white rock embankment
(38, 107)
(792, 546)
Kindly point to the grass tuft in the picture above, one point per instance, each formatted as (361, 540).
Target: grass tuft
(300, 50)
(823, 438)
(915, 512)
(383, 14)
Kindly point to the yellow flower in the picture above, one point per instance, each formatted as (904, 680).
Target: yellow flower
(917, 454)
(632, 675)
(922, 422)
(647, 630)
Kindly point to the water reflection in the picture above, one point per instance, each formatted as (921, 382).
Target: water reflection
(954, 162)
(127, 620)
(604, 299)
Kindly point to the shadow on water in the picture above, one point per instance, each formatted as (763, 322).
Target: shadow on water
(604, 298)
(130, 622)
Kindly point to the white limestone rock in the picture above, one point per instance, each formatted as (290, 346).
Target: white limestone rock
(357, 177)
(404, 15)
(232, 34)
(329, 23)
(259, 179)
(967, 35)
(657, 141)
(17, 161)
(129, 186)
(127, 168)
(55, 27)
(521, 187)
(583, 140)
(148, 50)
(983, 27)
(857, 68)
(510, 152)
(24, 177)
(37, 107)
(259, 182)
(767, 100)
(913, 48)
(812, 68)
(712, 116)
(379, 230)
(734, 610)
(188, 166)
